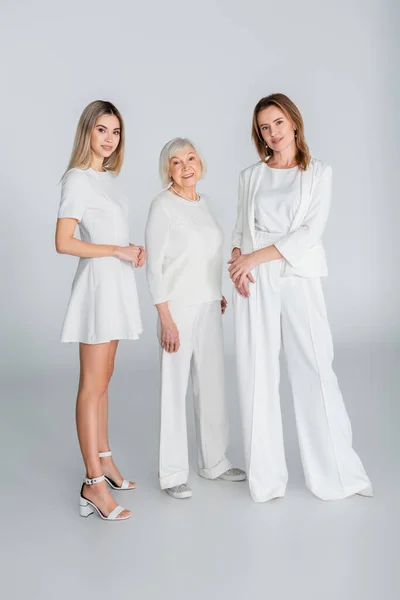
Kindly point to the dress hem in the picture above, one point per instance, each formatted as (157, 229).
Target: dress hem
(101, 341)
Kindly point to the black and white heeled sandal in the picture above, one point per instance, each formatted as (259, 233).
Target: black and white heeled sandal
(125, 483)
(87, 507)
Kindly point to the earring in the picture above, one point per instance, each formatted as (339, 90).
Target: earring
(266, 145)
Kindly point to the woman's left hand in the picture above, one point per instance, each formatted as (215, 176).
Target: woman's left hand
(142, 256)
(224, 304)
(240, 268)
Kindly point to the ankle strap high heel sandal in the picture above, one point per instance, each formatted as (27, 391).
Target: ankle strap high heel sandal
(125, 483)
(87, 507)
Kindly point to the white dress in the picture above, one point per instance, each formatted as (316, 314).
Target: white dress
(103, 305)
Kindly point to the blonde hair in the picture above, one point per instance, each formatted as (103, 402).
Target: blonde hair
(168, 152)
(81, 155)
(292, 112)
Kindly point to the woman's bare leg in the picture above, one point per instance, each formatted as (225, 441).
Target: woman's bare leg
(107, 463)
(103, 443)
(93, 382)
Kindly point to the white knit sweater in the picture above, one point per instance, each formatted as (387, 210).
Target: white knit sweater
(184, 247)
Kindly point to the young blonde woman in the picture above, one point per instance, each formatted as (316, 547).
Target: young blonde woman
(277, 262)
(103, 306)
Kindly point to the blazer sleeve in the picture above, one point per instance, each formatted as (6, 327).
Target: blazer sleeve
(294, 245)
(238, 230)
(157, 238)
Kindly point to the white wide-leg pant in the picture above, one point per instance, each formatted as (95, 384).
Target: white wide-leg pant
(292, 309)
(201, 356)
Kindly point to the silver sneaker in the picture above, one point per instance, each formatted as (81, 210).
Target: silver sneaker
(180, 491)
(233, 474)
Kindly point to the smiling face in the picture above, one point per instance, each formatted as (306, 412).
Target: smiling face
(185, 167)
(276, 128)
(105, 136)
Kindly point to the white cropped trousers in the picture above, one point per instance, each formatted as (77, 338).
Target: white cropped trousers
(292, 309)
(201, 358)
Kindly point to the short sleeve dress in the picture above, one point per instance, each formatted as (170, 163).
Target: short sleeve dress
(103, 305)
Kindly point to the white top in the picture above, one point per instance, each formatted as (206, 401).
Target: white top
(277, 200)
(103, 305)
(184, 251)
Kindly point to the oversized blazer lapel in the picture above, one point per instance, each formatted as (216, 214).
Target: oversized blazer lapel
(306, 185)
(253, 185)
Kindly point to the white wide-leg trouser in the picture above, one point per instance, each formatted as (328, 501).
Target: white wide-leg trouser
(292, 309)
(200, 356)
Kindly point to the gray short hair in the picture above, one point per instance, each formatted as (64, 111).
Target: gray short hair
(168, 152)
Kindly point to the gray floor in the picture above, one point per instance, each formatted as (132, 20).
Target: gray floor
(219, 544)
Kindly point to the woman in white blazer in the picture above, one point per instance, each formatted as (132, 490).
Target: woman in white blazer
(184, 271)
(276, 266)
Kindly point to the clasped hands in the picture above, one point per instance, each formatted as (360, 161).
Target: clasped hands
(240, 270)
(134, 254)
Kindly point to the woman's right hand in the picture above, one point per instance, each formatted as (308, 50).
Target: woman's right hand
(169, 337)
(129, 253)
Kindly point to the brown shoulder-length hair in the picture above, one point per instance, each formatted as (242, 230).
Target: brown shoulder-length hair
(292, 112)
(81, 155)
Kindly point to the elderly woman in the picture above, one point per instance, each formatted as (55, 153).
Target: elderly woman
(277, 262)
(184, 271)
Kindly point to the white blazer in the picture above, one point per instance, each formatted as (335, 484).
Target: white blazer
(302, 247)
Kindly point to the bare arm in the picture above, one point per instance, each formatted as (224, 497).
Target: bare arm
(267, 254)
(66, 243)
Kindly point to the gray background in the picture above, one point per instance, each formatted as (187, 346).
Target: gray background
(194, 69)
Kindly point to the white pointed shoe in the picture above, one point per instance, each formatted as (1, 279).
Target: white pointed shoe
(125, 483)
(233, 474)
(87, 507)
